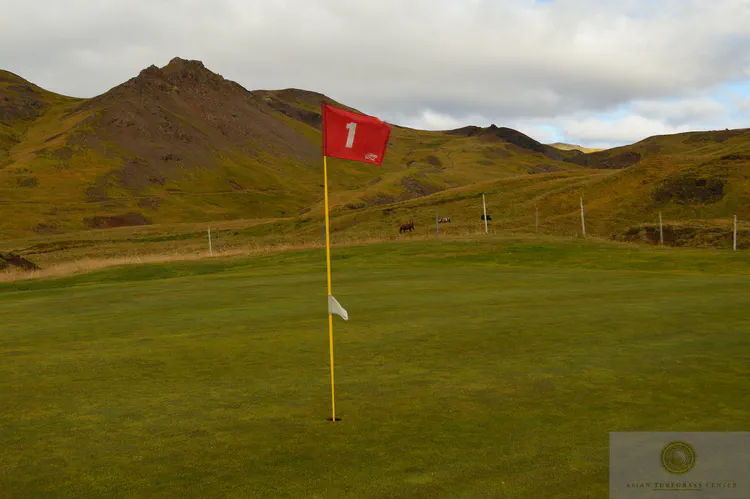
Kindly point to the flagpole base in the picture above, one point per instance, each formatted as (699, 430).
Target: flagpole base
(331, 419)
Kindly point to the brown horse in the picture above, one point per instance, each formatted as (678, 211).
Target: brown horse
(408, 226)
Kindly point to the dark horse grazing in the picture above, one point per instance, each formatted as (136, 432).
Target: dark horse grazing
(409, 226)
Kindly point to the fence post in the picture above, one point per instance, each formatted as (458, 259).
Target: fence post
(210, 248)
(583, 220)
(661, 231)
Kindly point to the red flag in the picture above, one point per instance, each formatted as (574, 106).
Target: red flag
(354, 136)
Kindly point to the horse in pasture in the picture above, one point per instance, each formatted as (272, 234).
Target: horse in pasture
(444, 220)
(407, 226)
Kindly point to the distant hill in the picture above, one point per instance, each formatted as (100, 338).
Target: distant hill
(181, 144)
(573, 147)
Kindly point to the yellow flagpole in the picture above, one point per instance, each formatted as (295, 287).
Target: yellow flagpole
(328, 269)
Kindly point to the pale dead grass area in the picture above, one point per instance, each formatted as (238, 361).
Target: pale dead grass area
(76, 264)
(93, 263)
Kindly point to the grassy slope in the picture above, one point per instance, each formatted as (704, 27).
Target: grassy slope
(510, 201)
(50, 170)
(24, 166)
(615, 199)
(629, 197)
(423, 172)
(281, 185)
(21, 102)
(202, 378)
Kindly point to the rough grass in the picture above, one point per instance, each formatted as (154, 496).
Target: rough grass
(60, 254)
(89, 264)
(694, 178)
(480, 368)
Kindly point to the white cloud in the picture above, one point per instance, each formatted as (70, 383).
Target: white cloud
(681, 111)
(651, 117)
(543, 133)
(430, 120)
(595, 132)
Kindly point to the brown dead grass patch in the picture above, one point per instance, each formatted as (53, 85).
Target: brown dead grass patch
(93, 263)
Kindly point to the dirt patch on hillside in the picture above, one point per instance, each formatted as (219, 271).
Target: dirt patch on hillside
(414, 188)
(27, 182)
(310, 118)
(736, 157)
(97, 192)
(170, 157)
(8, 260)
(690, 188)
(433, 160)
(380, 198)
(602, 160)
(47, 228)
(355, 206)
(685, 235)
(20, 102)
(150, 203)
(544, 168)
(126, 220)
(136, 175)
(60, 156)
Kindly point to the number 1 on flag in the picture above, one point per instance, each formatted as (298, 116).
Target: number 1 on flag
(352, 127)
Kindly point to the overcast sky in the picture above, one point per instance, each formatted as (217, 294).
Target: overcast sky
(591, 72)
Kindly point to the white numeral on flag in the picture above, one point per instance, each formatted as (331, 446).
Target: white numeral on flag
(352, 127)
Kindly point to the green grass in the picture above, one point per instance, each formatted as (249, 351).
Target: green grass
(476, 368)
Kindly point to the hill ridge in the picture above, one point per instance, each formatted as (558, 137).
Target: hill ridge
(180, 143)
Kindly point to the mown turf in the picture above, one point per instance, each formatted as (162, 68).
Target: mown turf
(486, 368)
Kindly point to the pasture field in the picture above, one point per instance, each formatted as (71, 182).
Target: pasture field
(476, 367)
